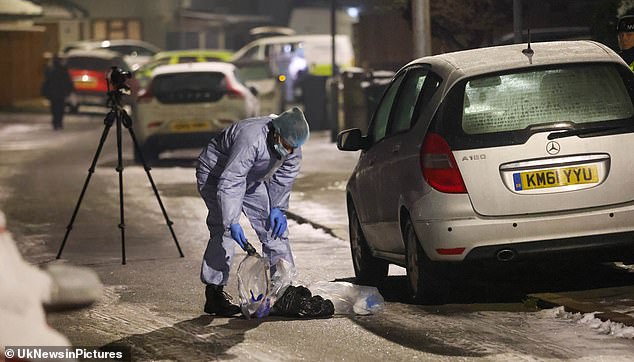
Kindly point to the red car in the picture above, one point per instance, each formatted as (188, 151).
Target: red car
(88, 70)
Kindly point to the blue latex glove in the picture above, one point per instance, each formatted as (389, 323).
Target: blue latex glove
(238, 235)
(277, 221)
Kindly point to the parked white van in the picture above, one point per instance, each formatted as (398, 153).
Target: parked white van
(290, 55)
(316, 50)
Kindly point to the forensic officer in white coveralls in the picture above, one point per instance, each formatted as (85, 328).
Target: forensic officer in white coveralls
(249, 168)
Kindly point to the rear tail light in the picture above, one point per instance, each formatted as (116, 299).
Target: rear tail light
(84, 78)
(145, 95)
(452, 251)
(233, 92)
(439, 166)
(88, 80)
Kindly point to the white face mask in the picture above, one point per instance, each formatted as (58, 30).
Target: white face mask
(280, 150)
(278, 147)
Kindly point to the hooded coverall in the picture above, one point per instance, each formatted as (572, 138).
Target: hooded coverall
(239, 172)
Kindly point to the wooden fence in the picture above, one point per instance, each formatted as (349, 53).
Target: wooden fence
(21, 64)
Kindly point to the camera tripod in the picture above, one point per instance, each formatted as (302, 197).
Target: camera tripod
(117, 115)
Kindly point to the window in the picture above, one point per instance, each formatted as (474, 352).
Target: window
(141, 51)
(87, 63)
(157, 63)
(275, 50)
(133, 50)
(122, 49)
(255, 72)
(251, 53)
(193, 87)
(185, 59)
(407, 99)
(579, 94)
(382, 115)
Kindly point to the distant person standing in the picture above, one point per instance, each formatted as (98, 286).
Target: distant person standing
(56, 87)
(625, 30)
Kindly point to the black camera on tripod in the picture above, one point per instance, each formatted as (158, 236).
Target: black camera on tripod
(118, 116)
(117, 79)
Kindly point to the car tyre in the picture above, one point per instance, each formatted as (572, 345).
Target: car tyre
(423, 281)
(368, 269)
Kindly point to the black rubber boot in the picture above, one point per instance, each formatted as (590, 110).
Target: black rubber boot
(218, 302)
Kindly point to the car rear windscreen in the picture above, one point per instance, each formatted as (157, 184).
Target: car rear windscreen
(507, 108)
(88, 63)
(581, 94)
(189, 87)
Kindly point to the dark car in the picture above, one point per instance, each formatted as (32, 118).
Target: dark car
(88, 70)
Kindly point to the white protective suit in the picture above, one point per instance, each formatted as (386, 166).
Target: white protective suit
(239, 172)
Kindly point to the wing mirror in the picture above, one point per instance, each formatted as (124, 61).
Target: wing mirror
(352, 140)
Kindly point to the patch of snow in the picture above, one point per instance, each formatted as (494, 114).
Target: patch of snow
(588, 319)
(21, 128)
(20, 137)
(23, 289)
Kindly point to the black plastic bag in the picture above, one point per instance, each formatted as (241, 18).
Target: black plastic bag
(299, 302)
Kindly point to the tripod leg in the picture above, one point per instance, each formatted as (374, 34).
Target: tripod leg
(120, 171)
(91, 170)
(128, 124)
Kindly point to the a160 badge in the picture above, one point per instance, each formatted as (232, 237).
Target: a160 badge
(556, 177)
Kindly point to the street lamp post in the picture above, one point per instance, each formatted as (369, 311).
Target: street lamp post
(334, 86)
(421, 28)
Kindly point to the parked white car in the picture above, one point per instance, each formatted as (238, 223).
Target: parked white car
(493, 157)
(187, 104)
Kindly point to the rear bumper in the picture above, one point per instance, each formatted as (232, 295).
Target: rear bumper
(610, 247)
(602, 233)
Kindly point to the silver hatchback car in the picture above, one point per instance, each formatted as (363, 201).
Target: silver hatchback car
(495, 156)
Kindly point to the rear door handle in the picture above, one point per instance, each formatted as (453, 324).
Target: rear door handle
(396, 148)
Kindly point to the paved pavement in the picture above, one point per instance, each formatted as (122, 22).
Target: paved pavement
(614, 304)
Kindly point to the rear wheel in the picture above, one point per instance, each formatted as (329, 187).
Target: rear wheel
(423, 282)
(368, 269)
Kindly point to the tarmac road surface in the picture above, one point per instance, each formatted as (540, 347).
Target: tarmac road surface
(153, 304)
